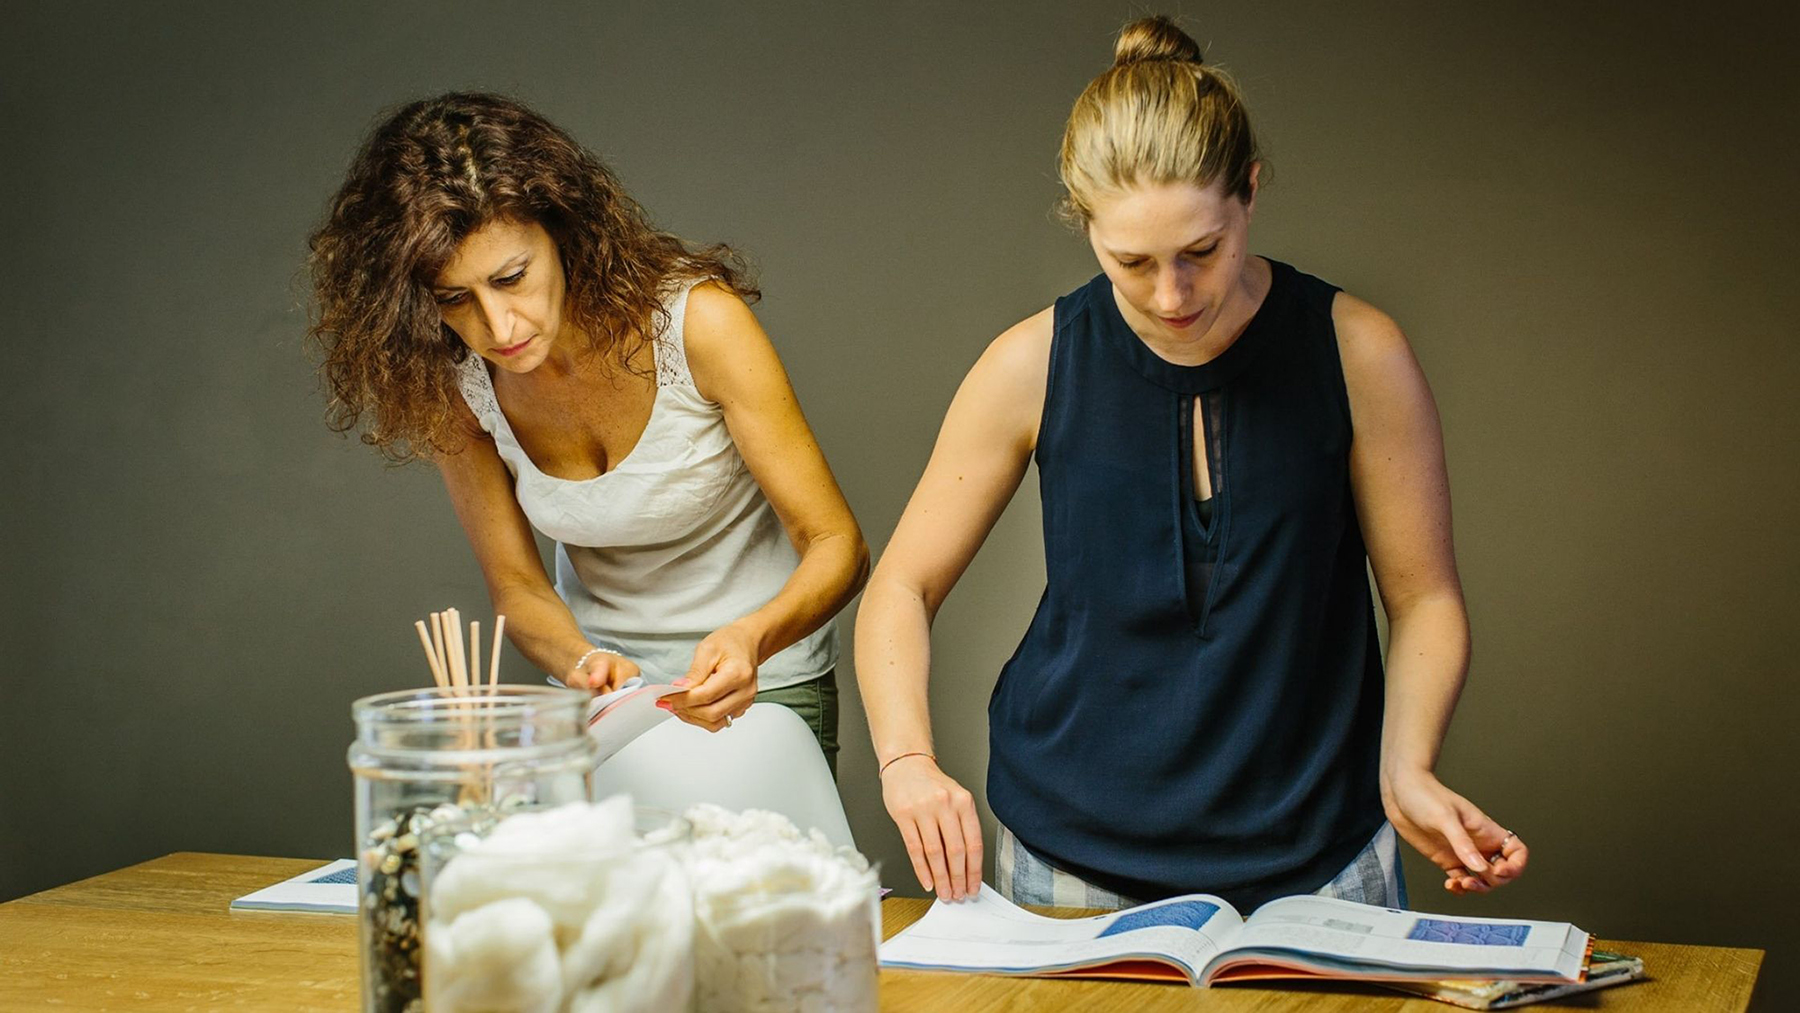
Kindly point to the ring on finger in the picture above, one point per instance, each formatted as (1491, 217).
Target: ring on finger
(1500, 852)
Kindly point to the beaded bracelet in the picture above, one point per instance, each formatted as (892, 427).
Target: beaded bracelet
(917, 752)
(598, 650)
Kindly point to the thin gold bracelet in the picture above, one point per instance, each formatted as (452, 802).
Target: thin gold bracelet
(917, 752)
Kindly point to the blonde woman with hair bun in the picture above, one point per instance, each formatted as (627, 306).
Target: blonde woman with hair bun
(1223, 444)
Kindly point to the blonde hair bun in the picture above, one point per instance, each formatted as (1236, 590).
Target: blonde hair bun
(1155, 38)
(1157, 115)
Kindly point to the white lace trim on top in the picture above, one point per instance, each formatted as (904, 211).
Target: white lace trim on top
(668, 350)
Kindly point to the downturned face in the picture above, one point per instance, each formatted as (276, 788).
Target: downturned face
(1174, 251)
(502, 293)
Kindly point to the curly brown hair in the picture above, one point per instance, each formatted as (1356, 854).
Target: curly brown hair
(434, 172)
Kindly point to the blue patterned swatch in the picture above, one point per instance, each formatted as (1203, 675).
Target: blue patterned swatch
(340, 876)
(1187, 914)
(1434, 930)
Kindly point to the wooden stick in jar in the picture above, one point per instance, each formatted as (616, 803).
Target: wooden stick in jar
(494, 662)
(437, 670)
(453, 646)
(475, 653)
(437, 643)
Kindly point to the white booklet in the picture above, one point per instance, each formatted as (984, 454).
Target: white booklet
(615, 718)
(328, 889)
(1203, 939)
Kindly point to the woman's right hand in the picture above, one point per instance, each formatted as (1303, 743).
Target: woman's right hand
(982, 453)
(936, 817)
(602, 672)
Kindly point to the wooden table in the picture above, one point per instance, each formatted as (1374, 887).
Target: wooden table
(159, 936)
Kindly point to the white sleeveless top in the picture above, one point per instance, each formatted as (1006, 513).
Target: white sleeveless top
(674, 542)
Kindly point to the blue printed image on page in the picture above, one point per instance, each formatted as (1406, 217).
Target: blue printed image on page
(1186, 914)
(341, 876)
(1435, 930)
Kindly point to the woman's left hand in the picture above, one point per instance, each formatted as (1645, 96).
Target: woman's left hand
(1475, 852)
(721, 683)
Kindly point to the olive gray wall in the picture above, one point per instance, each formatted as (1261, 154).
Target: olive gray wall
(1587, 227)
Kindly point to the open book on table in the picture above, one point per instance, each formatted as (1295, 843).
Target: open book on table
(1604, 970)
(329, 889)
(1202, 939)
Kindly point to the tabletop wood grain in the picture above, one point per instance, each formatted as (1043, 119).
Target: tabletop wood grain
(159, 936)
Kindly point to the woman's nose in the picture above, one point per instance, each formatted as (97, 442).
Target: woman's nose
(1171, 292)
(496, 314)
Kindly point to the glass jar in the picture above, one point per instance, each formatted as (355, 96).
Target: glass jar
(780, 940)
(576, 907)
(430, 761)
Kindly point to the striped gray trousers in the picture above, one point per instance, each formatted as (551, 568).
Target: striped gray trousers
(1372, 877)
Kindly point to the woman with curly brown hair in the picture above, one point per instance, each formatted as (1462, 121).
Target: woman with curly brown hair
(490, 298)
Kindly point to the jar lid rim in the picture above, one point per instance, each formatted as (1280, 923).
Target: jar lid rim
(433, 703)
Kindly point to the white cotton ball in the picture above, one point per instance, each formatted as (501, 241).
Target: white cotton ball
(576, 827)
(632, 907)
(560, 858)
(561, 903)
(799, 925)
(755, 979)
(500, 933)
(660, 975)
(440, 956)
(564, 887)
(783, 918)
(501, 957)
(797, 971)
(604, 948)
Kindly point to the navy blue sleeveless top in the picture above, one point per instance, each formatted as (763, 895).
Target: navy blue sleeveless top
(1196, 707)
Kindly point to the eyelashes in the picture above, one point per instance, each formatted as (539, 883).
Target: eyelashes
(462, 297)
(1132, 265)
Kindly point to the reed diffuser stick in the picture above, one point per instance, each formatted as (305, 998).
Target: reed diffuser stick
(494, 662)
(462, 647)
(437, 643)
(455, 664)
(453, 646)
(475, 653)
(437, 670)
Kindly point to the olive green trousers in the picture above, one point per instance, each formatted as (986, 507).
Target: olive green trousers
(816, 701)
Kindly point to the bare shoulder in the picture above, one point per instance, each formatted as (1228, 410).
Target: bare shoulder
(1005, 389)
(716, 318)
(1019, 359)
(1381, 373)
(1366, 336)
(729, 355)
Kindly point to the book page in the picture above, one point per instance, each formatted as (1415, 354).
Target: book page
(990, 934)
(328, 889)
(615, 719)
(1342, 937)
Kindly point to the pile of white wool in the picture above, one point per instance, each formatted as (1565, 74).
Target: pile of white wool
(560, 910)
(783, 921)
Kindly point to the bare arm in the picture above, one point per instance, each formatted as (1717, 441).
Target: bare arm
(981, 454)
(1402, 495)
(735, 365)
(537, 621)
